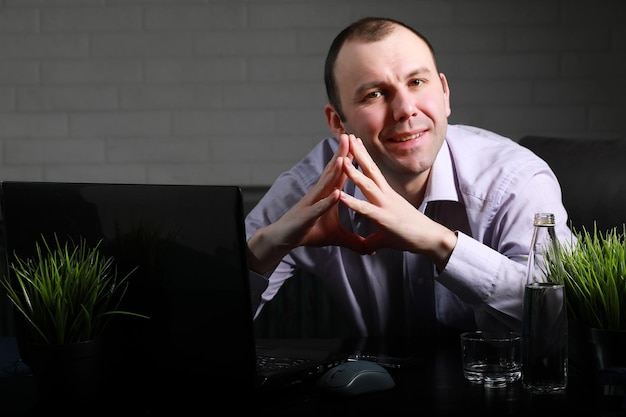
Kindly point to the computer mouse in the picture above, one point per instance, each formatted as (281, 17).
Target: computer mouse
(356, 377)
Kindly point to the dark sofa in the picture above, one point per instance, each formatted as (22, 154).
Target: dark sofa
(592, 173)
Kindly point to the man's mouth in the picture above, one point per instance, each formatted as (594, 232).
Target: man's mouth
(406, 138)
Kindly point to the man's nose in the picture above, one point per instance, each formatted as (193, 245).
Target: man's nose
(404, 105)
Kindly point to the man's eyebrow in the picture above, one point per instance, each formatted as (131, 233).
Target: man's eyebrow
(421, 71)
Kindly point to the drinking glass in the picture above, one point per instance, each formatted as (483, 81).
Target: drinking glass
(491, 358)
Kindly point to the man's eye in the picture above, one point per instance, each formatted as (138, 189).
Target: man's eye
(373, 94)
(417, 82)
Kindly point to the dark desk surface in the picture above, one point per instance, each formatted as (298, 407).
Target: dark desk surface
(432, 386)
(436, 387)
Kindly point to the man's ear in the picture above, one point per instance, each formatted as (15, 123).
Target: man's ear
(446, 93)
(334, 121)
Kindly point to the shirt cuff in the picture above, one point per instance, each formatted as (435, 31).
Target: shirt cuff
(258, 284)
(471, 270)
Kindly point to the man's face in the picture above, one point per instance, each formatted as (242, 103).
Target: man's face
(394, 100)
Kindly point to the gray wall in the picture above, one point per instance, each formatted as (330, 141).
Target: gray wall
(231, 92)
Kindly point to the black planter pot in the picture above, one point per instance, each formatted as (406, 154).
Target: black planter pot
(592, 349)
(608, 348)
(67, 376)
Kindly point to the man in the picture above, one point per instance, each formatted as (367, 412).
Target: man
(407, 221)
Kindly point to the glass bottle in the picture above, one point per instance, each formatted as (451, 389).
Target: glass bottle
(544, 316)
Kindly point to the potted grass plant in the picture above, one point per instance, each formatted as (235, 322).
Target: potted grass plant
(64, 297)
(594, 276)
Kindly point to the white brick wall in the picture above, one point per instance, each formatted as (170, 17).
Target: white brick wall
(231, 91)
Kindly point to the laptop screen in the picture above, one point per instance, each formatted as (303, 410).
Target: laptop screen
(187, 243)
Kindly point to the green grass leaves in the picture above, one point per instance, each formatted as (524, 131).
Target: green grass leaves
(66, 292)
(595, 280)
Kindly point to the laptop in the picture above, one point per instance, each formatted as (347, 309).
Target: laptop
(188, 245)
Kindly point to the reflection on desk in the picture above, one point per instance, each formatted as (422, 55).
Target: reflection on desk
(431, 384)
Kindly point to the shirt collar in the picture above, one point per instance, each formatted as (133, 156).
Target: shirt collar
(441, 184)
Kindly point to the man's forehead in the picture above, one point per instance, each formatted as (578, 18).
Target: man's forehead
(358, 55)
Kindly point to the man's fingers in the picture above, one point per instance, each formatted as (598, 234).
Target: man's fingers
(369, 188)
(362, 207)
(333, 175)
(365, 161)
(373, 242)
(350, 240)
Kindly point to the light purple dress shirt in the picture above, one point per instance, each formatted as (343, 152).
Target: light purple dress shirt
(482, 185)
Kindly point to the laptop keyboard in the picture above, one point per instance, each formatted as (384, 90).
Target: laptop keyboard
(274, 363)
